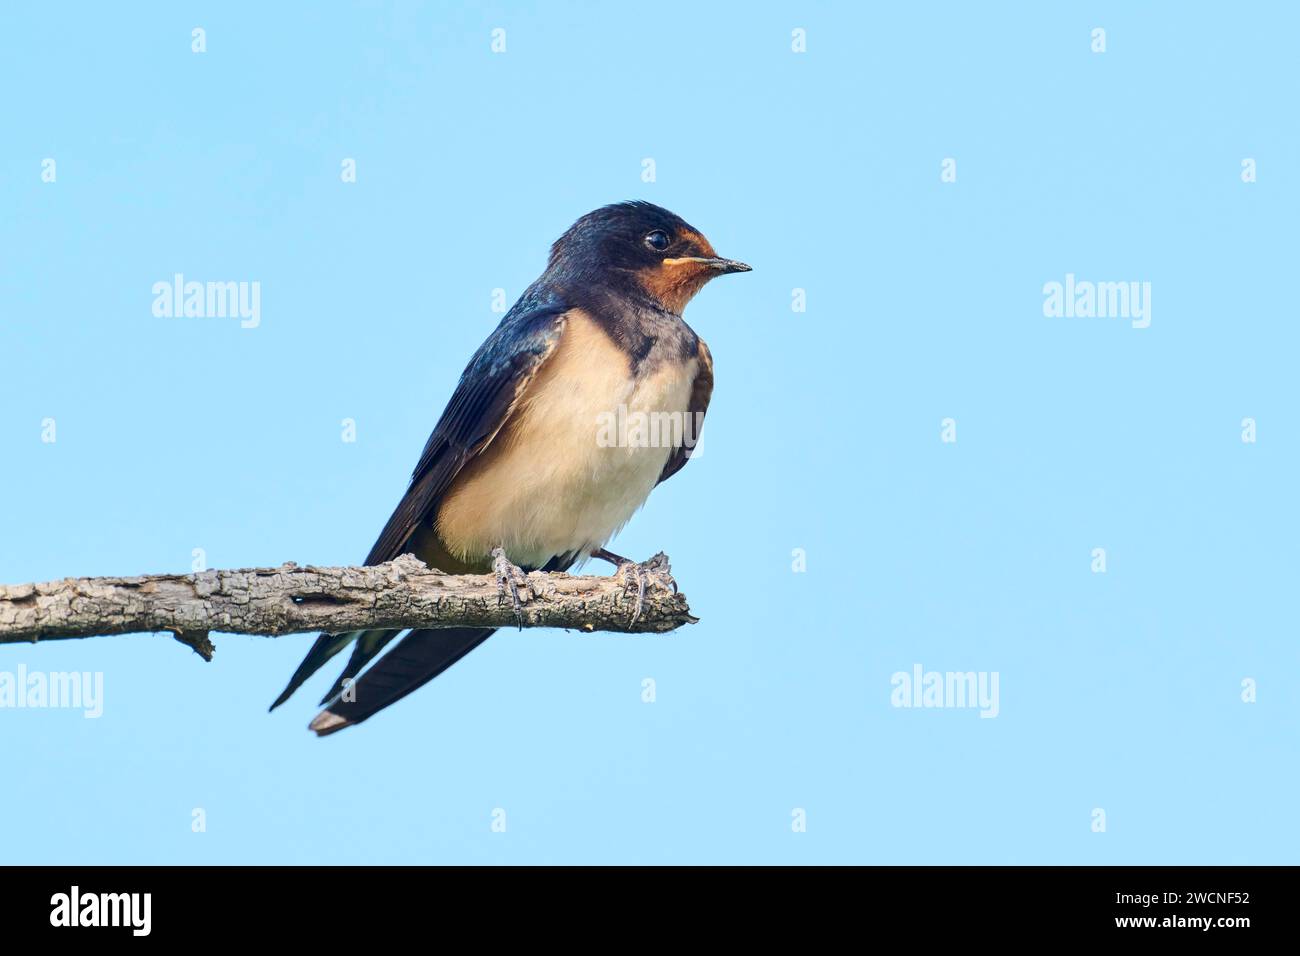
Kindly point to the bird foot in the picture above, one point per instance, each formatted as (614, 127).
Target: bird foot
(654, 571)
(510, 578)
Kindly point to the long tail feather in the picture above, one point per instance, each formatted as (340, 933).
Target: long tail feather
(363, 651)
(417, 659)
(326, 646)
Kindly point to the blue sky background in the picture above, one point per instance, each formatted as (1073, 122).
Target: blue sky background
(1119, 691)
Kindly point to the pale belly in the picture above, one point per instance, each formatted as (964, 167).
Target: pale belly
(579, 456)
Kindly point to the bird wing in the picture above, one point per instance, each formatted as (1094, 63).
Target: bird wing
(701, 392)
(487, 393)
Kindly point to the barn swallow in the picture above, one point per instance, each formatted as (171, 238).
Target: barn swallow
(513, 477)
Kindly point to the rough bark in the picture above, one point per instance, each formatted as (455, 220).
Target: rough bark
(291, 599)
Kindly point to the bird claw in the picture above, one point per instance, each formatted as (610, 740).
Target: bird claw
(510, 577)
(654, 570)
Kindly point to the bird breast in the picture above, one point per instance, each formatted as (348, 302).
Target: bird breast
(580, 453)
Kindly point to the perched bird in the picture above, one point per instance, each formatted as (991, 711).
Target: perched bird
(514, 477)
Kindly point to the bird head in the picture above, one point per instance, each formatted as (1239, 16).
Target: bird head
(644, 245)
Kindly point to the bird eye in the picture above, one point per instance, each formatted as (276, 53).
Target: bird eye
(657, 240)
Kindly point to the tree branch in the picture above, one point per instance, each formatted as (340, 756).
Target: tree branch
(290, 599)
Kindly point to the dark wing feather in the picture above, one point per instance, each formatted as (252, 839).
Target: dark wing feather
(701, 392)
(418, 658)
(489, 387)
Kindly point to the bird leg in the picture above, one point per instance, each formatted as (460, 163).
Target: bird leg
(654, 570)
(509, 577)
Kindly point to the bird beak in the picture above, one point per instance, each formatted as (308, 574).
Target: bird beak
(724, 266)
